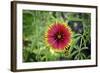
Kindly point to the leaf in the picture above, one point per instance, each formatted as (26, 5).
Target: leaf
(84, 48)
(73, 53)
(76, 35)
(83, 55)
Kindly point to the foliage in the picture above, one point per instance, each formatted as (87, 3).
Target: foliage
(35, 23)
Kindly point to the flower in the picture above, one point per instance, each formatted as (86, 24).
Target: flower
(58, 36)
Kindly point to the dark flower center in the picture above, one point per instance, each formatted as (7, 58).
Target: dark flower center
(58, 36)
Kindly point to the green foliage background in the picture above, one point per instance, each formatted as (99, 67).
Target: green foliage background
(35, 24)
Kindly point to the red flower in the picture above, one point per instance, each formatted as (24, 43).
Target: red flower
(58, 36)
